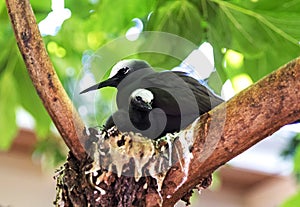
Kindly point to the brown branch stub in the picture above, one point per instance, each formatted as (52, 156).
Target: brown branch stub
(44, 77)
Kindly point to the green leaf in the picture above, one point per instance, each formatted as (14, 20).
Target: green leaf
(127, 9)
(92, 25)
(292, 201)
(297, 160)
(180, 18)
(8, 104)
(214, 82)
(41, 8)
(177, 17)
(297, 137)
(30, 101)
(263, 31)
(2, 6)
(44, 5)
(52, 151)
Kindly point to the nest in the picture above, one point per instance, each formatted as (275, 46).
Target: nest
(121, 169)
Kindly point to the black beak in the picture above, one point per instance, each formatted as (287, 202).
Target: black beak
(113, 82)
(147, 106)
(141, 105)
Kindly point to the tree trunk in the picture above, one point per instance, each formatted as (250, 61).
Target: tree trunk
(211, 141)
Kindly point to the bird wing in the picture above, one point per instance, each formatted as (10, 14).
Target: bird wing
(179, 93)
(201, 91)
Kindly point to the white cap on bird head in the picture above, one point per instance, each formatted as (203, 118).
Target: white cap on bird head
(145, 94)
(131, 65)
(118, 66)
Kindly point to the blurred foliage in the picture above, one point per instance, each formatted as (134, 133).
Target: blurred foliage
(293, 201)
(293, 151)
(264, 33)
(292, 148)
(8, 105)
(51, 151)
(296, 156)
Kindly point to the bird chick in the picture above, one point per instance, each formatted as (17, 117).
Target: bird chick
(141, 117)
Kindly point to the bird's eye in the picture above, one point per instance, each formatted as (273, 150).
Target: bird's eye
(138, 98)
(124, 70)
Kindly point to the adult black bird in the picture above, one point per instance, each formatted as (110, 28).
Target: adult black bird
(180, 97)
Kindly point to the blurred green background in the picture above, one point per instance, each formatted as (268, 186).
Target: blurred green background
(250, 39)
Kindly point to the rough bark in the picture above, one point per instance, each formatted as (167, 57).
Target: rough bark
(44, 77)
(249, 117)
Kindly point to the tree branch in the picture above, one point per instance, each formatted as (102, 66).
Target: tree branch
(249, 117)
(252, 115)
(211, 141)
(44, 77)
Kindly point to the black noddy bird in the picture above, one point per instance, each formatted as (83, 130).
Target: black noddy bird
(180, 98)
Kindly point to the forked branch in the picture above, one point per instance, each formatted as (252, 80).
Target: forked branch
(219, 135)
